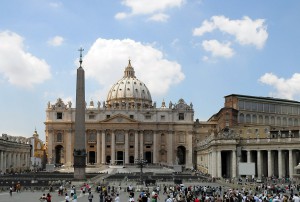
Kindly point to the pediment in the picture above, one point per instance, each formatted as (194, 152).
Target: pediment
(119, 118)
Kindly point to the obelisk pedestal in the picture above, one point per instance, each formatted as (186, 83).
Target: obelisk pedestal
(79, 140)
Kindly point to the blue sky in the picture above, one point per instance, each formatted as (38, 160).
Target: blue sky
(198, 50)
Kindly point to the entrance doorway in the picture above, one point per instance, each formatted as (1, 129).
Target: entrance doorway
(59, 155)
(92, 157)
(120, 158)
(181, 151)
(148, 156)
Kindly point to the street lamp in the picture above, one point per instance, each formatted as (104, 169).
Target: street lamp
(141, 162)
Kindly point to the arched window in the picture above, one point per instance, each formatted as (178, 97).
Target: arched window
(296, 122)
(278, 121)
(248, 118)
(272, 120)
(260, 119)
(290, 122)
(254, 119)
(284, 121)
(267, 120)
(92, 136)
(241, 118)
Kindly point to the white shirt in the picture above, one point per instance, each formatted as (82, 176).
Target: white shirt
(117, 199)
(296, 199)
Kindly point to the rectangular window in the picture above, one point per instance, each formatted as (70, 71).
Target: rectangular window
(131, 146)
(107, 116)
(272, 108)
(107, 146)
(260, 107)
(91, 116)
(148, 147)
(162, 117)
(147, 117)
(59, 115)
(241, 105)
(248, 105)
(181, 116)
(131, 116)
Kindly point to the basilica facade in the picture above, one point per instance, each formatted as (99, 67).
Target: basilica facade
(127, 126)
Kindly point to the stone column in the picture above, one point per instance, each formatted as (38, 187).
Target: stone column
(270, 173)
(233, 164)
(98, 147)
(126, 148)
(19, 161)
(4, 161)
(208, 163)
(248, 156)
(213, 164)
(259, 165)
(1, 161)
(142, 145)
(113, 148)
(219, 164)
(69, 148)
(136, 145)
(103, 147)
(280, 164)
(291, 165)
(154, 147)
(170, 149)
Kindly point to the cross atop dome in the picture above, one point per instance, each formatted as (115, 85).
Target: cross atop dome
(129, 71)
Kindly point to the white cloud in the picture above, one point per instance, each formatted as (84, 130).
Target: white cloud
(218, 49)
(285, 88)
(19, 67)
(56, 41)
(246, 31)
(160, 17)
(55, 4)
(120, 16)
(106, 60)
(146, 7)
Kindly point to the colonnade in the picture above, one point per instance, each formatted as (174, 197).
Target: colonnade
(268, 163)
(14, 161)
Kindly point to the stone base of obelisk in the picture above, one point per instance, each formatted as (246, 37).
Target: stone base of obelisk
(79, 164)
(79, 174)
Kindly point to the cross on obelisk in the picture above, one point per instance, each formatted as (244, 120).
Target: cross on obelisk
(79, 140)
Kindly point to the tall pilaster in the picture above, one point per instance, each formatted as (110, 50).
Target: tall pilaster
(50, 140)
(103, 147)
(136, 145)
(126, 147)
(98, 147)
(170, 149)
(79, 140)
(141, 144)
(154, 147)
(113, 148)
(69, 148)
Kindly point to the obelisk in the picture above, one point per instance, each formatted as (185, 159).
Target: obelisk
(79, 140)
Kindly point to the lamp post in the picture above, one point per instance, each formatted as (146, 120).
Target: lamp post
(141, 163)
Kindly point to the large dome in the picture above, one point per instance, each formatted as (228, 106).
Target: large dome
(129, 90)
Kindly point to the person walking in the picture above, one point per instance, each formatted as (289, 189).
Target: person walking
(75, 197)
(90, 197)
(10, 190)
(117, 199)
